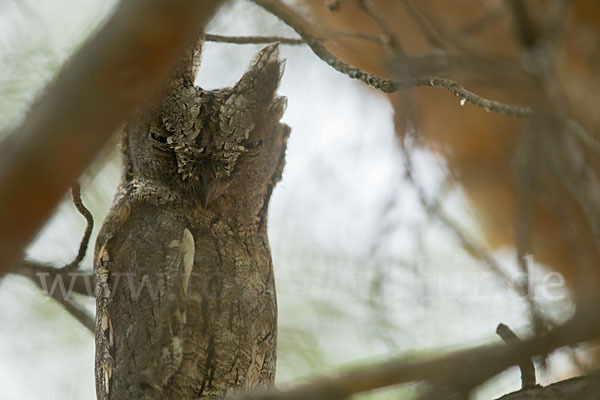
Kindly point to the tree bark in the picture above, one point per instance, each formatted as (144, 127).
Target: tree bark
(186, 303)
(580, 388)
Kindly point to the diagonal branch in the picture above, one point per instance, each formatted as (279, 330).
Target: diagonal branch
(60, 284)
(435, 209)
(89, 99)
(76, 311)
(460, 371)
(66, 278)
(80, 282)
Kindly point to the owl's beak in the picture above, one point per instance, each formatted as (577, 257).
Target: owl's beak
(207, 194)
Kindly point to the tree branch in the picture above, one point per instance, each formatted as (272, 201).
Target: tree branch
(80, 282)
(93, 94)
(526, 365)
(60, 284)
(210, 37)
(252, 39)
(77, 312)
(295, 21)
(65, 278)
(435, 209)
(456, 372)
(580, 388)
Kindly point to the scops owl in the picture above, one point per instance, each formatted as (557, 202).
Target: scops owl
(186, 303)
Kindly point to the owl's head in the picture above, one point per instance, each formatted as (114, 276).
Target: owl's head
(192, 140)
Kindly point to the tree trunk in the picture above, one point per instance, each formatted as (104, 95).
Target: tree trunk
(186, 304)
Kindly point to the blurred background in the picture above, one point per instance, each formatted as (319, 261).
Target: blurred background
(362, 271)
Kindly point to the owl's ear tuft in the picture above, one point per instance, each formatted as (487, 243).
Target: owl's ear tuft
(189, 63)
(267, 55)
(263, 73)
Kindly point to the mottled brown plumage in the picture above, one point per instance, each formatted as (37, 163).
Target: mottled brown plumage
(186, 303)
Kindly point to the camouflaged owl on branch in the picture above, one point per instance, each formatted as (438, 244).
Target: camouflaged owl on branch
(185, 297)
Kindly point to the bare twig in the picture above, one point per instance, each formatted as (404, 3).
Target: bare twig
(523, 227)
(60, 284)
(252, 39)
(523, 23)
(76, 189)
(561, 152)
(578, 130)
(526, 365)
(470, 245)
(80, 282)
(210, 37)
(77, 312)
(435, 209)
(438, 34)
(429, 32)
(482, 22)
(581, 185)
(390, 38)
(459, 91)
(359, 35)
(95, 92)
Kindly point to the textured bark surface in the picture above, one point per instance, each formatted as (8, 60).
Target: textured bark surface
(186, 303)
(580, 388)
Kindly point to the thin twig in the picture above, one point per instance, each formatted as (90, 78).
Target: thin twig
(64, 281)
(482, 22)
(80, 282)
(66, 277)
(523, 227)
(210, 37)
(523, 23)
(561, 151)
(59, 284)
(435, 209)
(429, 32)
(448, 39)
(459, 91)
(579, 185)
(578, 130)
(77, 312)
(392, 43)
(83, 245)
(252, 39)
(526, 366)
(358, 35)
